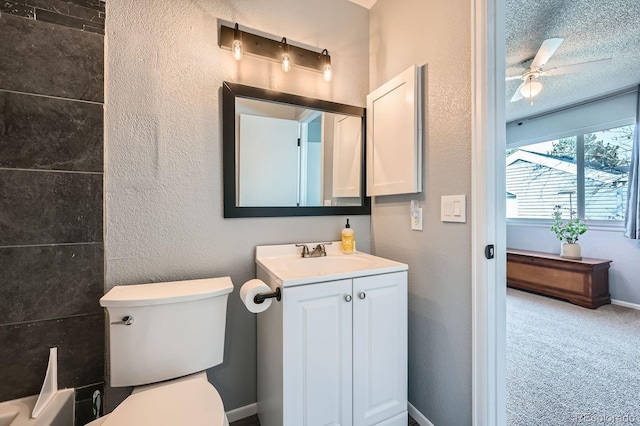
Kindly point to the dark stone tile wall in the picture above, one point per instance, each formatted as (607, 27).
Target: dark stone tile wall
(51, 197)
(37, 132)
(79, 362)
(49, 207)
(47, 59)
(45, 282)
(86, 15)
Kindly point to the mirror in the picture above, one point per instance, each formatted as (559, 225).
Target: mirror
(288, 155)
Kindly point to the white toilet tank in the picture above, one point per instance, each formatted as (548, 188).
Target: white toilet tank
(165, 330)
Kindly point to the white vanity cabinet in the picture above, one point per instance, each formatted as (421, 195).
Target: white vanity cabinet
(334, 352)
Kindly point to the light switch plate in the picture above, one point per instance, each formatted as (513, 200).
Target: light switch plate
(453, 208)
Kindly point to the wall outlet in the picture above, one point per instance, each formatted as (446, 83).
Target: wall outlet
(416, 219)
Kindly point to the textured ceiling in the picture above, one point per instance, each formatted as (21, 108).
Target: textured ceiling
(591, 29)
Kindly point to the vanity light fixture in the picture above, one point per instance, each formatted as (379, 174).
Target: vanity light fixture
(280, 50)
(286, 55)
(236, 45)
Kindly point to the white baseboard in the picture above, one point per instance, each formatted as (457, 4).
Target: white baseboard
(625, 304)
(251, 409)
(418, 416)
(242, 412)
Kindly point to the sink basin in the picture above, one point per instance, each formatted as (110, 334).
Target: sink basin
(284, 264)
(328, 265)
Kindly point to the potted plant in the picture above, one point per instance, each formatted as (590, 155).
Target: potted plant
(568, 233)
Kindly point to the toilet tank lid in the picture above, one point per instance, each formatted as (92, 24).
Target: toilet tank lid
(167, 292)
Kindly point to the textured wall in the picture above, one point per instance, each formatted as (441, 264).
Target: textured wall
(436, 33)
(598, 243)
(164, 152)
(51, 164)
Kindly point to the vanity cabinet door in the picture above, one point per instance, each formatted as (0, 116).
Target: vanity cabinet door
(379, 348)
(318, 354)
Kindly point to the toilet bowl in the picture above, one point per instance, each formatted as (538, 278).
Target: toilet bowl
(162, 339)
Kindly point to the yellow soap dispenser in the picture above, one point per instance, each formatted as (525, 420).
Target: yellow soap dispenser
(348, 243)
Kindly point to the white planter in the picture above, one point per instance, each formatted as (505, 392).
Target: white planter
(570, 251)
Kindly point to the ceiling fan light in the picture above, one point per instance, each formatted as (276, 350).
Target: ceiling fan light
(531, 88)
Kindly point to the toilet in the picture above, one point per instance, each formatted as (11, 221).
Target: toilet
(163, 336)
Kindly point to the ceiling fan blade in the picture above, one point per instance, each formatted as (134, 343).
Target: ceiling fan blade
(546, 51)
(514, 77)
(517, 96)
(581, 67)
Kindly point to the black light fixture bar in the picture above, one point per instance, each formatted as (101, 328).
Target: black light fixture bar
(253, 44)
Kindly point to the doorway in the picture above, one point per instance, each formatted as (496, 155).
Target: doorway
(488, 213)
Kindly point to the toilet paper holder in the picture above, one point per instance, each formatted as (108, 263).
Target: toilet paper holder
(261, 297)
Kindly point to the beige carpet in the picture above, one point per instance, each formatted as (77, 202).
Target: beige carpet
(569, 365)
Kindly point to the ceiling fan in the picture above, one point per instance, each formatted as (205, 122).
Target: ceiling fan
(530, 86)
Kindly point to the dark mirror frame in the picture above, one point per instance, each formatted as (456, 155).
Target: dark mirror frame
(231, 91)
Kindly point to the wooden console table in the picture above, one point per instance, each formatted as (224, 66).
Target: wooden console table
(582, 282)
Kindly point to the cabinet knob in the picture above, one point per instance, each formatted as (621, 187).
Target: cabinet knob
(362, 295)
(347, 298)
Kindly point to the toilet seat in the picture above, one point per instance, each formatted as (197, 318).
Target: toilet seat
(182, 402)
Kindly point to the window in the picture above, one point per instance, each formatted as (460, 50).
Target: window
(586, 174)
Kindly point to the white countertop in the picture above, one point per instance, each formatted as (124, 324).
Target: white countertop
(287, 268)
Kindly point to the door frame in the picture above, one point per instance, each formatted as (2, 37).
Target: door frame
(488, 213)
(304, 119)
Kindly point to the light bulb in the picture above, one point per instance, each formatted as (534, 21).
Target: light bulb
(286, 55)
(236, 46)
(326, 72)
(326, 67)
(286, 62)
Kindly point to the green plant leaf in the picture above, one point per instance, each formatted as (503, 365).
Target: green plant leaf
(568, 231)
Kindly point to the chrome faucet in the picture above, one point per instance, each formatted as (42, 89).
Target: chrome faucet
(319, 250)
(305, 250)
